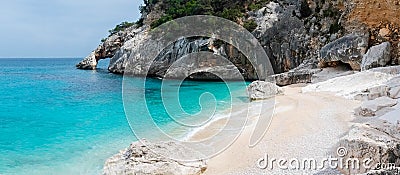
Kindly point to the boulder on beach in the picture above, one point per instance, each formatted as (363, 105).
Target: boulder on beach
(377, 56)
(295, 77)
(261, 90)
(143, 157)
(349, 49)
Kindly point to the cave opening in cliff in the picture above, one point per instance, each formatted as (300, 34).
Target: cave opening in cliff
(339, 65)
(102, 64)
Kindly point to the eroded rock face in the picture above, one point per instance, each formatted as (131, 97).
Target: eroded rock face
(349, 49)
(260, 90)
(108, 48)
(89, 63)
(144, 158)
(377, 56)
(169, 59)
(282, 35)
(290, 32)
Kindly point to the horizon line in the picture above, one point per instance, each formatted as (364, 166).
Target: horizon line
(41, 57)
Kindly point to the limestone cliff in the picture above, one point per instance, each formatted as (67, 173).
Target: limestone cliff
(291, 32)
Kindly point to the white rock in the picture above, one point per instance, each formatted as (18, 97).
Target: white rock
(373, 93)
(374, 140)
(90, 62)
(369, 108)
(395, 92)
(394, 85)
(146, 158)
(351, 86)
(260, 90)
(392, 116)
(377, 56)
(394, 70)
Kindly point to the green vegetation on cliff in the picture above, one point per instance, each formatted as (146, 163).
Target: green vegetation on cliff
(121, 27)
(233, 10)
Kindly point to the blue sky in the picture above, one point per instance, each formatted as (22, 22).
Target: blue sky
(59, 28)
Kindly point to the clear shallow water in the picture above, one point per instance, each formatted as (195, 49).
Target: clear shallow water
(55, 119)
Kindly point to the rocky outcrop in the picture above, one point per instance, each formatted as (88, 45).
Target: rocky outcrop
(294, 31)
(290, 32)
(89, 63)
(371, 107)
(394, 87)
(276, 31)
(372, 93)
(390, 88)
(198, 64)
(260, 90)
(146, 158)
(383, 24)
(366, 85)
(295, 77)
(109, 47)
(349, 49)
(377, 140)
(377, 56)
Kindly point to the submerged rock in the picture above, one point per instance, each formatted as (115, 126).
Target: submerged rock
(349, 49)
(144, 158)
(260, 90)
(377, 56)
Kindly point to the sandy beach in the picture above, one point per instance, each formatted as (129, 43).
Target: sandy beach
(315, 129)
(304, 125)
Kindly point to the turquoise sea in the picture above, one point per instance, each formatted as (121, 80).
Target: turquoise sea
(55, 119)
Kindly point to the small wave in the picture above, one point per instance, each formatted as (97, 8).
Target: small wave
(223, 115)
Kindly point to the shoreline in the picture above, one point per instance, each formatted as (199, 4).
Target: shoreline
(309, 123)
(298, 128)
